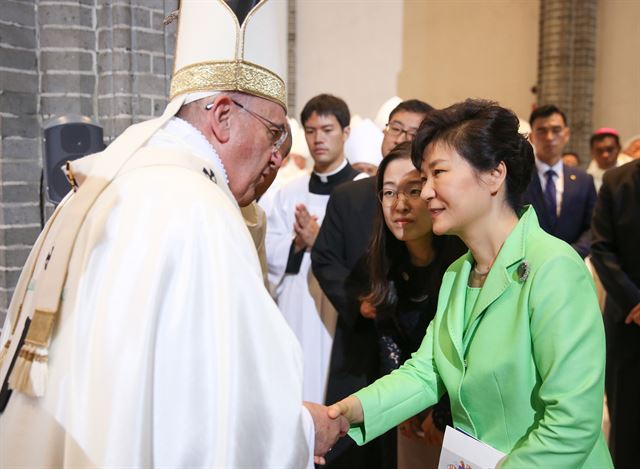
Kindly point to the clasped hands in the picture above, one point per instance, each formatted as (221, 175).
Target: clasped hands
(332, 423)
(305, 227)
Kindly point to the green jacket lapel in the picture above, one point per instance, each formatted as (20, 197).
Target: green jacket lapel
(455, 307)
(502, 272)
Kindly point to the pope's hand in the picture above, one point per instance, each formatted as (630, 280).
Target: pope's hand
(328, 430)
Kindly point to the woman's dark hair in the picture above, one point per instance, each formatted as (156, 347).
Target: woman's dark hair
(386, 253)
(484, 134)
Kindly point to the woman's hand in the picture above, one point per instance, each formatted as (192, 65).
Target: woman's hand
(367, 310)
(633, 316)
(432, 436)
(350, 408)
(411, 428)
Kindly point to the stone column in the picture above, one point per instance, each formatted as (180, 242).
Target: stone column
(566, 68)
(291, 57)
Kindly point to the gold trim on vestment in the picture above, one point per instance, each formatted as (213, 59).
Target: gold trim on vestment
(41, 328)
(229, 75)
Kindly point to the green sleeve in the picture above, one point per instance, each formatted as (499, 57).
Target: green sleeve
(402, 394)
(567, 337)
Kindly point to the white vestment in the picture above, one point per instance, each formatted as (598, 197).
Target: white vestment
(597, 172)
(168, 351)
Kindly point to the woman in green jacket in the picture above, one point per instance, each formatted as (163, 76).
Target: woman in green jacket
(517, 341)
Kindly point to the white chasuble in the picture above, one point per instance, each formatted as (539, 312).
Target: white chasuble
(168, 351)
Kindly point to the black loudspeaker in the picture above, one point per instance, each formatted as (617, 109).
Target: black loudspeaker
(67, 138)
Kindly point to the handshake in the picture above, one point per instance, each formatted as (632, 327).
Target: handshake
(332, 423)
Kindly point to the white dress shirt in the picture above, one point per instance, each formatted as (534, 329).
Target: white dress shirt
(558, 179)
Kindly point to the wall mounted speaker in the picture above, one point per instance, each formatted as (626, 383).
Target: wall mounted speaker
(67, 138)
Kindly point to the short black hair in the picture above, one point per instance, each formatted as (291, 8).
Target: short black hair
(601, 136)
(327, 105)
(573, 153)
(411, 105)
(484, 134)
(546, 111)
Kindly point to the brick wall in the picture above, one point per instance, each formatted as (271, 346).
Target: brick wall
(109, 60)
(19, 140)
(566, 64)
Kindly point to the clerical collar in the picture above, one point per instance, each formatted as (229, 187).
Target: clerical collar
(324, 177)
(192, 138)
(324, 183)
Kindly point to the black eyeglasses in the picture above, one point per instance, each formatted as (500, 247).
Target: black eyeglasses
(278, 133)
(389, 197)
(396, 130)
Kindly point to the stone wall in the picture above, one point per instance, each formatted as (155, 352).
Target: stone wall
(567, 64)
(108, 60)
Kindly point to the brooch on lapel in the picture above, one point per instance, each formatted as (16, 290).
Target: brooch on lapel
(523, 271)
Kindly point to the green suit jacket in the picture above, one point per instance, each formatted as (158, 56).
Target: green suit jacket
(527, 375)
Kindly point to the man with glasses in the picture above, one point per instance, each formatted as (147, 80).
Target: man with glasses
(341, 242)
(293, 222)
(562, 196)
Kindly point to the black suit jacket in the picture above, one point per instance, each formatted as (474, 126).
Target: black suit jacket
(578, 200)
(615, 254)
(341, 242)
(335, 260)
(616, 239)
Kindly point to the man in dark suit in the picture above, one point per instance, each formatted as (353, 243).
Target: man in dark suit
(341, 242)
(615, 254)
(563, 197)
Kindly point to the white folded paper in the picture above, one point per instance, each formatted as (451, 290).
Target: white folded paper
(462, 451)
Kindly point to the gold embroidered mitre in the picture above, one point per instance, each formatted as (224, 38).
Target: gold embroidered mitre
(218, 51)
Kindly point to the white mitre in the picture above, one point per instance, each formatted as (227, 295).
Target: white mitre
(364, 144)
(214, 52)
(382, 117)
(298, 141)
(356, 120)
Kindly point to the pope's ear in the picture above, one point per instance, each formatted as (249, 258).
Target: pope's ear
(219, 117)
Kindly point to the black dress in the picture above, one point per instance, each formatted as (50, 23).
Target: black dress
(400, 332)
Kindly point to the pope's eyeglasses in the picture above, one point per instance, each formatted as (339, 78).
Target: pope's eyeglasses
(278, 133)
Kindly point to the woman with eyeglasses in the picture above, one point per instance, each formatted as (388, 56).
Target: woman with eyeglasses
(517, 341)
(406, 263)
